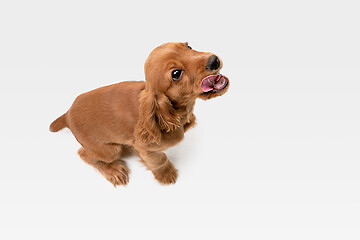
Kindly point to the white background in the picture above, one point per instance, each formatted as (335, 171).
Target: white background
(277, 157)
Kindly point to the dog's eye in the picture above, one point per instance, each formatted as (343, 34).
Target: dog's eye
(176, 74)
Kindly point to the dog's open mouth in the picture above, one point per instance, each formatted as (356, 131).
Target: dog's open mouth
(214, 83)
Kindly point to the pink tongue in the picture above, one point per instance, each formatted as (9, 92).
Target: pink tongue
(220, 83)
(217, 82)
(209, 83)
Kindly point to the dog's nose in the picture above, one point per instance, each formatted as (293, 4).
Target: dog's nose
(213, 63)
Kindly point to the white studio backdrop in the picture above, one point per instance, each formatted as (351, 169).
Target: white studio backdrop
(277, 157)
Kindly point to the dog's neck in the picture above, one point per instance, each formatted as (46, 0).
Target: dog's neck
(184, 110)
(188, 106)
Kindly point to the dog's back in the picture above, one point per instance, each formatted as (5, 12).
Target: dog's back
(104, 115)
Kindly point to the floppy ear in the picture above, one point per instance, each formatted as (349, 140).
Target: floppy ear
(156, 114)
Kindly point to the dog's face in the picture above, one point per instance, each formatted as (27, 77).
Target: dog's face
(184, 74)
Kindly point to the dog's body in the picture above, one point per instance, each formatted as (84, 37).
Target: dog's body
(148, 116)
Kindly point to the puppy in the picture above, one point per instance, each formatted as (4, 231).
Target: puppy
(148, 116)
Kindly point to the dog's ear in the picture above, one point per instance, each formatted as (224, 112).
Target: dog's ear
(156, 114)
(166, 116)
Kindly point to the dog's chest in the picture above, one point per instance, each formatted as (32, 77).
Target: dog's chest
(173, 137)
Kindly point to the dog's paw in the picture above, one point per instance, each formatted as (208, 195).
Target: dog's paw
(166, 175)
(116, 172)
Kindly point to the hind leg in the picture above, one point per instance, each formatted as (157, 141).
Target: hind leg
(106, 159)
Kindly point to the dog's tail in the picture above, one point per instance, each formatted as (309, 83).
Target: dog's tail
(58, 124)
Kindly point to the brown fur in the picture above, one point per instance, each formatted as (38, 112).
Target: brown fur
(148, 116)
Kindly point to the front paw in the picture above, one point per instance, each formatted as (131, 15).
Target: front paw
(166, 175)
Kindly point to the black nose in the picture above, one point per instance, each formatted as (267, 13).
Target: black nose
(213, 63)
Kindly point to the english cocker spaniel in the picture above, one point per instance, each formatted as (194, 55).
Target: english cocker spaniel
(147, 116)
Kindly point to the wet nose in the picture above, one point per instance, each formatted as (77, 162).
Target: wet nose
(213, 63)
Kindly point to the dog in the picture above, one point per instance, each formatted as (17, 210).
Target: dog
(148, 116)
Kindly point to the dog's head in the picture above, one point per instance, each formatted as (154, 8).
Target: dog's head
(175, 76)
(184, 74)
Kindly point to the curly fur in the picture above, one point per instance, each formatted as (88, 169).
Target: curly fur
(148, 117)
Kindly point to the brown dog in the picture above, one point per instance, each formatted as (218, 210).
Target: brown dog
(148, 116)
